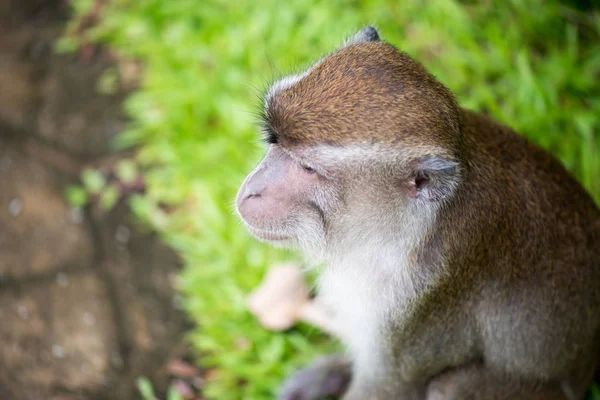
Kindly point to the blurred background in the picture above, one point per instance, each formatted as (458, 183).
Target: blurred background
(126, 127)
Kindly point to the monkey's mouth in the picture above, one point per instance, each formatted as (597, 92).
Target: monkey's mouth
(266, 234)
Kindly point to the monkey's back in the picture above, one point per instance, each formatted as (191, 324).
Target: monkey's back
(532, 257)
(530, 194)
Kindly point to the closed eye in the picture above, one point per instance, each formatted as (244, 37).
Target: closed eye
(306, 167)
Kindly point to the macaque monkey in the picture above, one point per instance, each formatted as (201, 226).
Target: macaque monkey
(461, 261)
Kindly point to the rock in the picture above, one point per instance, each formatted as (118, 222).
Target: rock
(27, 31)
(40, 233)
(142, 270)
(47, 345)
(87, 303)
(49, 95)
(72, 114)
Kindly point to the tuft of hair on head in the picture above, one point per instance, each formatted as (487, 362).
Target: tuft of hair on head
(368, 34)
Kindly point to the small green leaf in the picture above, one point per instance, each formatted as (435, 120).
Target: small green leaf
(93, 180)
(66, 44)
(173, 394)
(76, 196)
(108, 83)
(145, 387)
(127, 171)
(594, 392)
(109, 197)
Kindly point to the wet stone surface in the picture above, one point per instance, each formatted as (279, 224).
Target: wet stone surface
(86, 301)
(47, 342)
(41, 233)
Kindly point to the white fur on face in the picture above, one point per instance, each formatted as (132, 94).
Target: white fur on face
(377, 155)
(370, 278)
(370, 274)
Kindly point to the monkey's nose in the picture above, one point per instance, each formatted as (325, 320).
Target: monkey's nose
(251, 196)
(247, 196)
(251, 192)
(251, 207)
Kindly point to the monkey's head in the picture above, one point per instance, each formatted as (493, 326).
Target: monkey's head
(361, 139)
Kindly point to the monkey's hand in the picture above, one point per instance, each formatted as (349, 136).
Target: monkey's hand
(326, 377)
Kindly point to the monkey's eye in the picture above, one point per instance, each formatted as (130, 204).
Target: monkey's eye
(306, 167)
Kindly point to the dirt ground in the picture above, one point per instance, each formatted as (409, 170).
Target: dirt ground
(87, 303)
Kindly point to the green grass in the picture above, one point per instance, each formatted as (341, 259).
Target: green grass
(532, 64)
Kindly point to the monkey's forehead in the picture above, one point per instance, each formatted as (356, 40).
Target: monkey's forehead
(368, 92)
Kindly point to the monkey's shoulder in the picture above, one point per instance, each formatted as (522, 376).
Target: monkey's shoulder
(533, 178)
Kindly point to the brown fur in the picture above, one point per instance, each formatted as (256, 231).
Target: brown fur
(366, 93)
(521, 241)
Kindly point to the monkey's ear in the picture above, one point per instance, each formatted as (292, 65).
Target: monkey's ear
(434, 179)
(368, 34)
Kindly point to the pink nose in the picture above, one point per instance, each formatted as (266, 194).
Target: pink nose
(248, 201)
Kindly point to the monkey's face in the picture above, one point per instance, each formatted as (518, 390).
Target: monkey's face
(354, 142)
(285, 200)
(319, 198)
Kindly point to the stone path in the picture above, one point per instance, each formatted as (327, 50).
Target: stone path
(86, 301)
